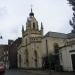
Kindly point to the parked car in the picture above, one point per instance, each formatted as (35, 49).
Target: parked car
(2, 68)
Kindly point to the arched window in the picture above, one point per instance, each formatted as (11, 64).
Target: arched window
(27, 56)
(35, 54)
(56, 50)
(33, 25)
(19, 60)
(56, 47)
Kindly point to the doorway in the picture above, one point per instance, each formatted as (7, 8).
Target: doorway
(73, 61)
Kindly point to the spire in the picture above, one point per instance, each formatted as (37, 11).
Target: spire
(22, 28)
(41, 28)
(31, 9)
(41, 25)
(31, 13)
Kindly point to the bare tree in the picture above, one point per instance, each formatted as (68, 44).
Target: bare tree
(72, 22)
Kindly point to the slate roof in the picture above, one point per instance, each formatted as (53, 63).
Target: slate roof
(60, 35)
(56, 35)
(71, 35)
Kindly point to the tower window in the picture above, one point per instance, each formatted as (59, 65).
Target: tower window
(35, 54)
(33, 25)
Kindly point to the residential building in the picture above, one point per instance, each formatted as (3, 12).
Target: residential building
(4, 49)
(13, 45)
(67, 54)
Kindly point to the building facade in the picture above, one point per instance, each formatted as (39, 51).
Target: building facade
(29, 52)
(67, 54)
(13, 45)
(35, 45)
(50, 40)
(4, 56)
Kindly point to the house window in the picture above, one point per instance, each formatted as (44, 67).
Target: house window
(4, 52)
(7, 58)
(7, 52)
(4, 59)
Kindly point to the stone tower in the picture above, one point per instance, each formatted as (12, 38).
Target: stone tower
(32, 25)
(30, 50)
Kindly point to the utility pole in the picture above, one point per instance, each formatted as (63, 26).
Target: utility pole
(0, 55)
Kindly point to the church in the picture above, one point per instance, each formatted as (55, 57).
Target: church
(30, 49)
(35, 45)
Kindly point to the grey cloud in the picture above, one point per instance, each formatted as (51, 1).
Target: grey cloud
(3, 11)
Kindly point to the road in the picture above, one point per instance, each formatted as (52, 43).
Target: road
(20, 72)
(23, 72)
(16, 72)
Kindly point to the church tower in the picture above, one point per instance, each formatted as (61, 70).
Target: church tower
(32, 23)
(32, 26)
(31, 43)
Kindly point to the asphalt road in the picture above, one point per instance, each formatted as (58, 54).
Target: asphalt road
(19, 72)
(23, 72)
(16, 72)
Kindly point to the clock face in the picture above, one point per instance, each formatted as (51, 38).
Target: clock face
(30, 19)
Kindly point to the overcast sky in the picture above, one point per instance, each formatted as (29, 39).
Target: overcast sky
(55, 15)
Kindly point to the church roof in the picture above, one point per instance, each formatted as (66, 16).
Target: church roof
(60, 35)
(56, 35)
(71, 35)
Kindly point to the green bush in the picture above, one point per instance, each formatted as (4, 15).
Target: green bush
(58, 68)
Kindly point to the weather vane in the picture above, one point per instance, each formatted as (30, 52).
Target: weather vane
(31, 7)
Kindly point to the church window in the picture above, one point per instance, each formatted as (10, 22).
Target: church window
(35, 54)
(33, 25)
(27, 56)
(37, 47)
(20, 60)
(56, 47)
(26, 41)
(34, 39)
(61, 56)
